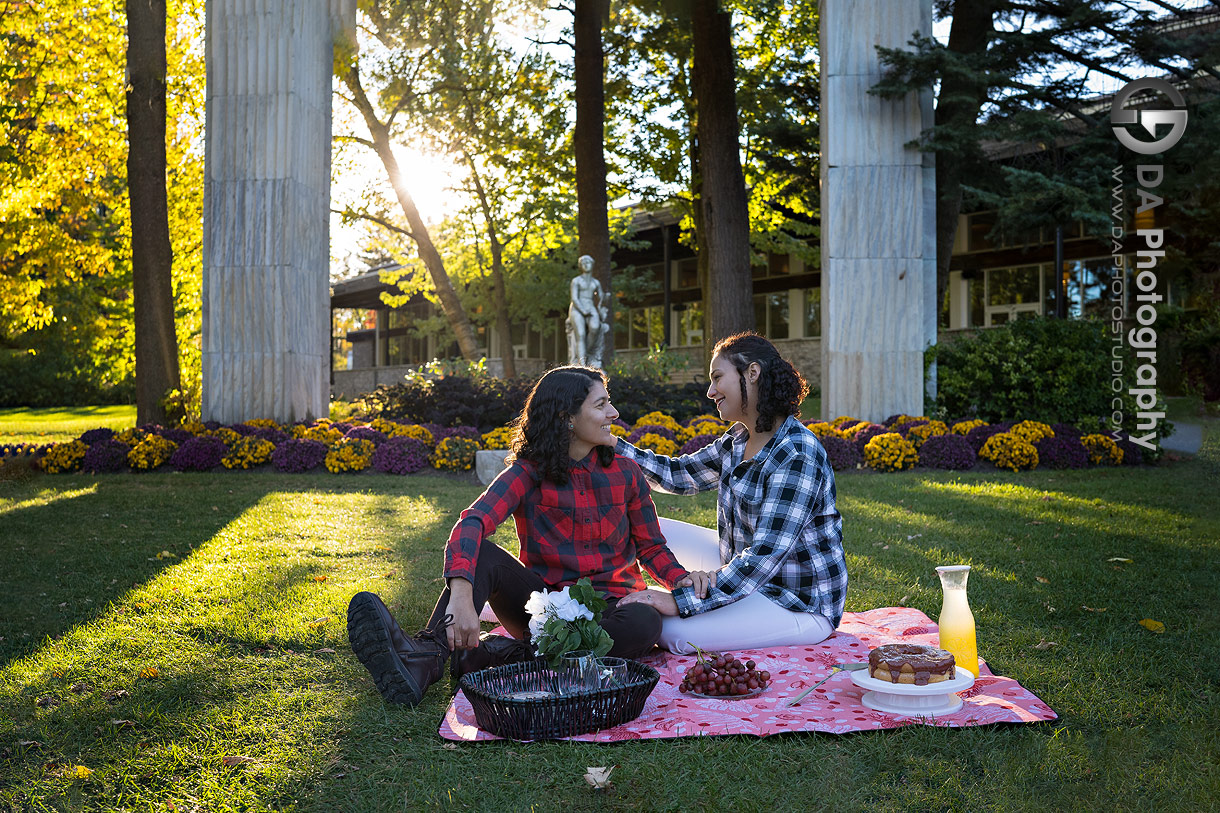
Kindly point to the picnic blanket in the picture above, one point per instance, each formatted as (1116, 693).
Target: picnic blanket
(834, 707)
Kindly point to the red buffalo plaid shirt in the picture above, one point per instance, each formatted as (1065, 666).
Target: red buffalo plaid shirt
(598, 525)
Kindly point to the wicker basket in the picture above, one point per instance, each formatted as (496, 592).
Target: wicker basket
(491, 691)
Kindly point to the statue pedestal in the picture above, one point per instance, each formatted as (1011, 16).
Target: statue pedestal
(488, 463)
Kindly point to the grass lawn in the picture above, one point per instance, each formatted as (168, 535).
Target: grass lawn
(58, 424)
(181, 638)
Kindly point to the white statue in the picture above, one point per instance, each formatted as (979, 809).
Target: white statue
(586, 325)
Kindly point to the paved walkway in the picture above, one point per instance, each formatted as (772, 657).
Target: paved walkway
(1186, 437)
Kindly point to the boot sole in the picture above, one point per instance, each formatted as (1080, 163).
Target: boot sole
(370, 642)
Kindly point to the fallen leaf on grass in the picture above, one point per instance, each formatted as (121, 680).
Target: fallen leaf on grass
(235, 761)
(319, 622)
(326, 649)
(29, 744)
(123, 723)
(449, 746)
(80, 688)
(115, 696)
(385, 548)
(165, 555)
(1042, 580)
(1152, 626)
(1093, 609)
(1118, 559)
(599, 778)
(902, 602)
(319, 578)
(81, 772)
(149, 672)
(47, 702)
(1045, 644)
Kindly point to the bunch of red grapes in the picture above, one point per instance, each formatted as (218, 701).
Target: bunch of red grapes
(722, 674)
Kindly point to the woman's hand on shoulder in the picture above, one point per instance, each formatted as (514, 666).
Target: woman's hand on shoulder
(660, 600)
(700, 580)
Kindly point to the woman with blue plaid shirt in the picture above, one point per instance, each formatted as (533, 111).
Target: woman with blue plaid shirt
(780, 578)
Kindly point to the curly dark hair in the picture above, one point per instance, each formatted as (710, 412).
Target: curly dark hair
(780, 387)
(542, 435)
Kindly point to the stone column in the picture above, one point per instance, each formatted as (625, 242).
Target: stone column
(266, 202)
(878, 216)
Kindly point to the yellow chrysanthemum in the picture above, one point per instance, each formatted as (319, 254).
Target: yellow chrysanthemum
(455, 454)
(964, 427)
(64, 457)
(1032, 431)
(657, 418)
(151, 452)
(825, 430)
(248, 452)
(890, 452)
(658, 443)
(1103, 451)
(918, 434)
(499, 438)
(1009, 451)
(350, 454)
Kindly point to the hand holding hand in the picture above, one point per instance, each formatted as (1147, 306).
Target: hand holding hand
(700, 580)
(660, 600)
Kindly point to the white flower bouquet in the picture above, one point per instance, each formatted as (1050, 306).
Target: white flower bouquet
(568, 620)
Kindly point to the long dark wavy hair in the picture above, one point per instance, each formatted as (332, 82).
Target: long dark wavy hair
(780, 387)
(542, 435)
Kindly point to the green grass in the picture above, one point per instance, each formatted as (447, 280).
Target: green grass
(58, 424)
(235, 616)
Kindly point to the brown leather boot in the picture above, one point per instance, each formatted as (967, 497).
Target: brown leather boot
(402, 666)
(493, 650)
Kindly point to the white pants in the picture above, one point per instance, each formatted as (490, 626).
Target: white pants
(748, 623)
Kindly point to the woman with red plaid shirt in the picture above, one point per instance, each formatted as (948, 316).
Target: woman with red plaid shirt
(580, 511)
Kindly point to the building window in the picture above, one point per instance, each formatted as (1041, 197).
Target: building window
(686, 274)
(1013, 293)
(771, 314)
(645, 327)
(813, 313)
(690, 324)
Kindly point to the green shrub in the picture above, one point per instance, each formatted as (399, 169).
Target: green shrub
(1052, 370)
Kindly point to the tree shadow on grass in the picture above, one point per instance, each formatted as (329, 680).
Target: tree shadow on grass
(68, 559)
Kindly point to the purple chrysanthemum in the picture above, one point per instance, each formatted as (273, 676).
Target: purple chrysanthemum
(664, 432)
(696, 443)
(401, 455)
(366, 433)
(979, 435)
(106, 455)
(841, 452)
(1062, 452)
(906, 426)
(947, 452)
(95, 435)
(863, 436)
(296, 456)
(198, 454)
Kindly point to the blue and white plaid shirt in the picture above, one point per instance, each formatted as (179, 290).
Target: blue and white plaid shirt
(780, 533)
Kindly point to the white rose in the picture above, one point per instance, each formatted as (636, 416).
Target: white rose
(572, 610)
(536, 625)
(537, 604)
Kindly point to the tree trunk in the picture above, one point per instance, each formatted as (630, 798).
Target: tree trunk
(592, 221)
(958, 106)
(499, 295)
(726, 222)
(450, 304)
(151, 252)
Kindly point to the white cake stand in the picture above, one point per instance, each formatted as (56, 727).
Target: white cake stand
(935, 699)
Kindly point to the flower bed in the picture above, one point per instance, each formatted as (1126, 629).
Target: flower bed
(396, 448)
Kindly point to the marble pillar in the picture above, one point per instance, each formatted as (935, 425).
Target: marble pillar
(266, 206)
(878, 216)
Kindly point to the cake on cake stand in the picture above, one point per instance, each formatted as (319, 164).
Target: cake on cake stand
(932, 700)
